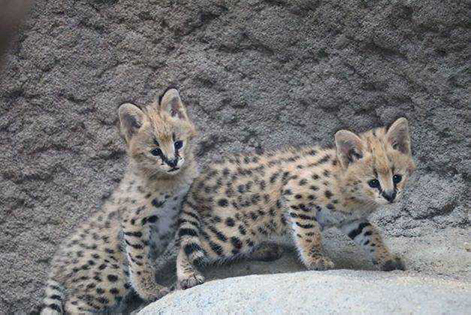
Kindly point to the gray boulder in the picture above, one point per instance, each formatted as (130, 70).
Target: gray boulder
(331, 292)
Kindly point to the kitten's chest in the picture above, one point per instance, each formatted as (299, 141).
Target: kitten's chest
(164, 226)
(168, 214)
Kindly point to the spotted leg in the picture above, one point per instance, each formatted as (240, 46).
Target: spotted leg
(307, 235)
(367, 236)
(136, 232)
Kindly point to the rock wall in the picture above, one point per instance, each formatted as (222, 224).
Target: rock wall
(255, 74)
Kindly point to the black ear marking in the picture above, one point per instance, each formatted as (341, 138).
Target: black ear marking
(131, 119)
(353, 155)
(349, 147)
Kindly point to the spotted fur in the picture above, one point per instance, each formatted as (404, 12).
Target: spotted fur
(242, 202)
(113, 251)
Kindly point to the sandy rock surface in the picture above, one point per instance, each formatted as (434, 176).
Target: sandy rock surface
(437, 281)
(331, 292)
(256, 74)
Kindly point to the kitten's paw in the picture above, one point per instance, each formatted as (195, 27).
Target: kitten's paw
(395, 263)
(153, 293)
(163, 292)
(320, 263)
(190, 281)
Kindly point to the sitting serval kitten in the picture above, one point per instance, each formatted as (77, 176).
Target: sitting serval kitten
(111, 253)
(238, 204)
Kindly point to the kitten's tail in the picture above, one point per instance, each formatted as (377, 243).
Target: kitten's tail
(189, 234)
(53, 300)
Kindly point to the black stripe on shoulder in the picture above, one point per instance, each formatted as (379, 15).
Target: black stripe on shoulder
(191, 214)
(135, 234)
(187, 232)
(55, 307)
(56, 297)
(304, 226)
(358, 230)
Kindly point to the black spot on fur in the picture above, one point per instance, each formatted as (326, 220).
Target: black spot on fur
(236, 242)
(114, 291)
(358, 230)
(223, 202)
(216, 248)
(230, 222)
(152, 219)
(156, 203)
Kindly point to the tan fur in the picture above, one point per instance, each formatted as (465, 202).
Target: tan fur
(243, 201)
(114, 249)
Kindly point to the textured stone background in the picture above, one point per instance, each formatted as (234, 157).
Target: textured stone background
(254, 74)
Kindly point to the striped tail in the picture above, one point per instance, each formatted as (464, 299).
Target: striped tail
(53, 301)
(189, 234)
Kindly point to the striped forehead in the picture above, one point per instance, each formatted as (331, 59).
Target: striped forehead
(161, 125)
(376, 145)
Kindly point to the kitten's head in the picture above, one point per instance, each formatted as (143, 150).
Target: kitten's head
(377, 164)
(159, 136)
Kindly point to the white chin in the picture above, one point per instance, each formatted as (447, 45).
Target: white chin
(382, 202)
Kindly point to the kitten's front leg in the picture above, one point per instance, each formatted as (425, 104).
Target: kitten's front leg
(306, 233)
(169, 256)
(367, 236)
(136, 233)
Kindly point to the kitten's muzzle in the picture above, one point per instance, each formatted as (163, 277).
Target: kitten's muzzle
(172, 163)
(389, 195)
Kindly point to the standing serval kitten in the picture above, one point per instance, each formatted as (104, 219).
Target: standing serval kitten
(241, 202)
(111, 253)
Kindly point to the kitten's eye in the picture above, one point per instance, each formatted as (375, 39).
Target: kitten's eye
(178, 145)
(156, 152)
(397, 179)
(374, 183)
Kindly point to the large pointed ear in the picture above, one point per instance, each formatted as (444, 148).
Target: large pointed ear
(349, 147)
(171, 103)
(398, 136)
(131, 119)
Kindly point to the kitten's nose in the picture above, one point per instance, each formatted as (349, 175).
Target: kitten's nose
(389, 195)
(173, 163)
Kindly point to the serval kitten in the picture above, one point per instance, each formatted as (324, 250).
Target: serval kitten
(112, 252)
(240, 203)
